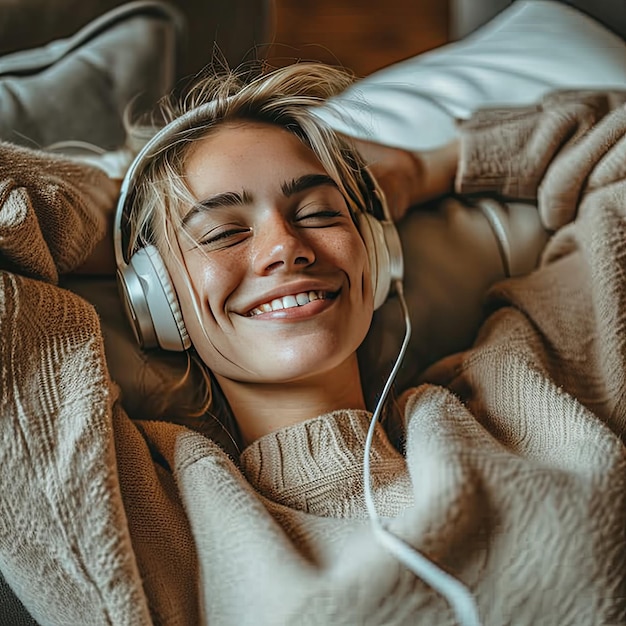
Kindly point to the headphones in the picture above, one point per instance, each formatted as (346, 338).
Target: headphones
(144, 283)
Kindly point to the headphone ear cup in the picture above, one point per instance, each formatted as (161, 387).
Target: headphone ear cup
(373, 235)
(151, 302)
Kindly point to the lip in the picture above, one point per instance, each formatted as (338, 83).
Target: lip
(287, 290)
(296, 313)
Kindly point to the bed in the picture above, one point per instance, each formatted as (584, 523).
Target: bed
(51, 96)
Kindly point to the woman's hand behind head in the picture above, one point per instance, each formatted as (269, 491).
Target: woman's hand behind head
(410, 178)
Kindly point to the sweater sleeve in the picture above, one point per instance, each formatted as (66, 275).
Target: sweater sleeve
(52, 211)
(509, 151)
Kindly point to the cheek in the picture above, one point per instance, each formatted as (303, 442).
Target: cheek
(194, 280)
(349, 253)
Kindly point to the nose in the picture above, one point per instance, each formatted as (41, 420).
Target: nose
(280, 245)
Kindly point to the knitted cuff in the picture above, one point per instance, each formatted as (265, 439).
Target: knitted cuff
(492, 153)
(508, 151)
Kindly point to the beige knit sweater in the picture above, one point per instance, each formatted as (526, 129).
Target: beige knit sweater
(513, 477)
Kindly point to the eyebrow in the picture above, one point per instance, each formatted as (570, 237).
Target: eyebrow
(308, 181)
(233, 198)
(228, 198)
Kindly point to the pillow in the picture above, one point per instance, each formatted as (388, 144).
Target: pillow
(77, 89)
(532, 47)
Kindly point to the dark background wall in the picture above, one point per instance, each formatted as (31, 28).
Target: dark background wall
(363, 35)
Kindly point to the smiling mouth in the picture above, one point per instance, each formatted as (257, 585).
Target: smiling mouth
(291, 301)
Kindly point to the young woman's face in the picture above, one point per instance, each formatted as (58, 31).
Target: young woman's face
(276, 265)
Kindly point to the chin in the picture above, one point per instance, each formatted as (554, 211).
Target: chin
(282, 358)
(273, 368)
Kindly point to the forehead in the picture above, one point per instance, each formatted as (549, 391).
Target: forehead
(245, 152)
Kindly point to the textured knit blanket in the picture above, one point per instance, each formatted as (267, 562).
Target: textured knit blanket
(513, 473)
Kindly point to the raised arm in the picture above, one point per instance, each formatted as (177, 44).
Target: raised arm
(508, 152)
(53, 212)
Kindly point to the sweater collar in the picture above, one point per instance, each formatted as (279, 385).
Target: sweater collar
(306, 465)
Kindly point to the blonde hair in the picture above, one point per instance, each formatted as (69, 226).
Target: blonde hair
(284, 97)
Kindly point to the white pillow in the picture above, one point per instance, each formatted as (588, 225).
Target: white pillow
(532, 47)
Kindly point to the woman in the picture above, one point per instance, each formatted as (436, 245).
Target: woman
(511, 470)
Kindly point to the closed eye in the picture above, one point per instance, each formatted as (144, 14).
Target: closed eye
(223, 237)
(318, 218)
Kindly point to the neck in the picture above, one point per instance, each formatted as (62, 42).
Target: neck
(261, 408)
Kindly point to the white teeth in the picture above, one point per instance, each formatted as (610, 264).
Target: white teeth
(288, 302)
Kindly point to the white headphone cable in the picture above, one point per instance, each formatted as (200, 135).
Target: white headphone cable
(457, 595)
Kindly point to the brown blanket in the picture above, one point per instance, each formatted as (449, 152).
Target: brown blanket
(515, 460)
